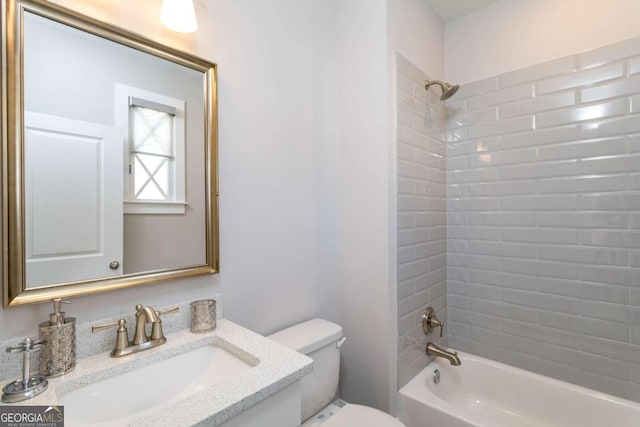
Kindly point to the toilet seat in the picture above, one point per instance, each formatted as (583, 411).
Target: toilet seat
(358, 415)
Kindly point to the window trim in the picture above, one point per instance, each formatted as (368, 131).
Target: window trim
(124, 97)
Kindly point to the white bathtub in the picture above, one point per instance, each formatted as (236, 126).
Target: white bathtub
(484, 393)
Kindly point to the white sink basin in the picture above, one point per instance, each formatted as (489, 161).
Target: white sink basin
(116, 400)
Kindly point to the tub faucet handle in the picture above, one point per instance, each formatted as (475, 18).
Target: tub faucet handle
(430, 321)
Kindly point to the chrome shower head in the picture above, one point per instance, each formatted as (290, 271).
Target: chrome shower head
(448, 90)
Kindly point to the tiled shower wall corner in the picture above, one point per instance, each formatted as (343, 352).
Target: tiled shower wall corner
(543, 221)
(421, 215)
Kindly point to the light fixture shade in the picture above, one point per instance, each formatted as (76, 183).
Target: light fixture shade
(179, 15)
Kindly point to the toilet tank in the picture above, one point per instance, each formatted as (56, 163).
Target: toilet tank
(318, 339)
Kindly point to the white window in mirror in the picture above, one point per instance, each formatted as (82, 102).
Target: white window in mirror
(153, 126)
(151, 161)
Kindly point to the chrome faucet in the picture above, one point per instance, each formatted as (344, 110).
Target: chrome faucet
(429, 322)
(141, 341)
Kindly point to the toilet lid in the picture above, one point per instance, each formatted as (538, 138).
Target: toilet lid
(358, 415)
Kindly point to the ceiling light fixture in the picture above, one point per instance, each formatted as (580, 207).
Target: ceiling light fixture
(179, 15)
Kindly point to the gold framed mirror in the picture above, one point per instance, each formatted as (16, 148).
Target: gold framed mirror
(109, 157)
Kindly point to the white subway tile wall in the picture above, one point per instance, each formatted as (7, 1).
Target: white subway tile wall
(543, 218)
(421, 215)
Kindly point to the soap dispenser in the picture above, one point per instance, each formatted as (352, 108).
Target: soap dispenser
(59, 335)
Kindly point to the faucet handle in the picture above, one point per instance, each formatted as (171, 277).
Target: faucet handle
(430, 321)
(168, 311)
(122, 337)
(100, 328)
(156, 328)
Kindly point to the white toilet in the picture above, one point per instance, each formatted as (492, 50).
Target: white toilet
(321, 340)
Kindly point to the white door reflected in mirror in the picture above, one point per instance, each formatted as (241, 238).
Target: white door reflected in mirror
(73, 199)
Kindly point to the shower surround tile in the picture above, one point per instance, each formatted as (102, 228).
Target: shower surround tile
(610, 53)
(421, 212)
(579, 79)
(535, 105)
(620, 88)
(540, 71)
(543, 218)
(634, 66)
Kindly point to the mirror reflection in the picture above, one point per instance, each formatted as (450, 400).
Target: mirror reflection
(114, 158)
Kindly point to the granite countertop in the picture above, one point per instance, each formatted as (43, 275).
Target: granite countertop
(274, 367)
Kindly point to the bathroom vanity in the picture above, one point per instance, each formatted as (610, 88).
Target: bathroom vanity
(230, 376)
